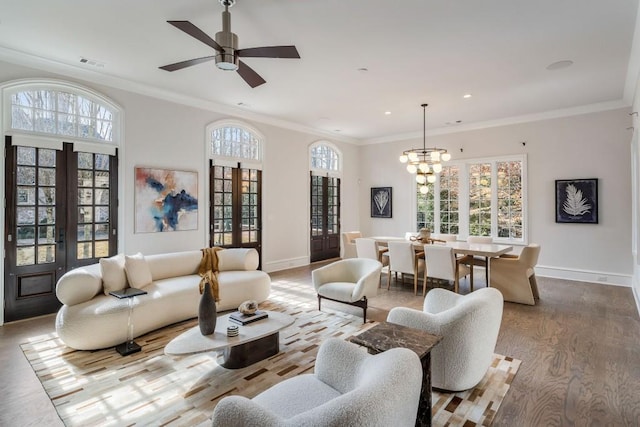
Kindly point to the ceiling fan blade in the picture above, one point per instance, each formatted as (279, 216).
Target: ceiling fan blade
(269, 52)
(252, 78)
(185, 64)
(196, 33)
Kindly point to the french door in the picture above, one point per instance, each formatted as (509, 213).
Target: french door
(60, 213)
(325, 218)
(236, 206)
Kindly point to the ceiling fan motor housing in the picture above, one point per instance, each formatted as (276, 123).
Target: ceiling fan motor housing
(227, 59)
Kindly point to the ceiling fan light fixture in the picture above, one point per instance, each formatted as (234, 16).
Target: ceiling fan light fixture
(228, 55)
(226, 62)
(227, 59)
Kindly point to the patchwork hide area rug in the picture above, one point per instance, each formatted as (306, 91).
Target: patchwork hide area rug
(102, 388)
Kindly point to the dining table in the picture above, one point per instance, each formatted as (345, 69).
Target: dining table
(487, 250)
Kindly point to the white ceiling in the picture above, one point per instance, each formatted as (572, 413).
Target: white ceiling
(416, 51)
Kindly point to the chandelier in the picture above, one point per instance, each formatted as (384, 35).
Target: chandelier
(425, 162)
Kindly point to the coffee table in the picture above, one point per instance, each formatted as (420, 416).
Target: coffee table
(255, 341)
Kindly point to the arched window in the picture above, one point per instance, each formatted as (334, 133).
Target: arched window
(235, 153)
(60, 109)
(326, 167)
(61, 143)
(324, 157)
(235, 140)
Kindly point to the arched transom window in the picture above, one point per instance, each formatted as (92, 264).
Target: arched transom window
(61, 111)
(324, 157)
(235, 141)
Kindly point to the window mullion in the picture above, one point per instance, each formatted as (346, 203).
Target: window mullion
(436, 206)
(463, 201)
(494, 199)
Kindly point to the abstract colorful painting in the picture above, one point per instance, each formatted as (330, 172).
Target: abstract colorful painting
(165, 200)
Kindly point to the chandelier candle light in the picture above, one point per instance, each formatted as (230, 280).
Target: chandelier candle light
(425, 162)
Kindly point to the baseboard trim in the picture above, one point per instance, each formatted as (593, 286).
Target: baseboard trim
(602, 277)
(285, 264)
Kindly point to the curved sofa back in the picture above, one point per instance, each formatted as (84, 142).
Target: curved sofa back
(173, 264)
(84, 283)
(164, 266)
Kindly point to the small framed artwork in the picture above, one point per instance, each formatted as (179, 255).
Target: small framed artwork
(577, 201)
(380, 202)
(165, 200)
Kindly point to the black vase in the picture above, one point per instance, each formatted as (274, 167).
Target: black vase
(207, 314)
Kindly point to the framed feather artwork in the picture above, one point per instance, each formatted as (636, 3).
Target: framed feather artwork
(577, 201)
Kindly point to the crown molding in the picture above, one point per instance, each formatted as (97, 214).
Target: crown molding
(37, 62)
(547, 115)
(33, 61)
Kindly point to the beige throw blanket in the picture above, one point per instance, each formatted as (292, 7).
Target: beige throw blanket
(208, 270)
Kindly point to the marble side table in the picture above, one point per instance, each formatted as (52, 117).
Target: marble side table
(385, 336)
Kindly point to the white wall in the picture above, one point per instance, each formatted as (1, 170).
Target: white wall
(593, 145)
(159, 133)
(164, 134)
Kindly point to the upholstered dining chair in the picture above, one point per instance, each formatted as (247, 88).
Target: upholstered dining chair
(348, 244)
(348, 387)
(515, 277)
(403, 259)
(445, 237)
(349, 281)
(369, 248)
(441, 263)
(469, 325)
(480, 261)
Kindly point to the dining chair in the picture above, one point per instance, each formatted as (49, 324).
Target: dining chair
(445, 237)
(404, 259)
(515, 277)
(480, 261)
(348, 245)
(369, 248)
(441, 263)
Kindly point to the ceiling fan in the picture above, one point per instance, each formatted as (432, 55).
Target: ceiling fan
(226, 45)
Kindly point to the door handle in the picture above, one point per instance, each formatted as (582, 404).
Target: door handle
(60, 241)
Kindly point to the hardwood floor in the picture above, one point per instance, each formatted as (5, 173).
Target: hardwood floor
(580, 352)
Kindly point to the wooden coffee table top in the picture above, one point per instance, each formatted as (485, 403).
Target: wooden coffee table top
(192, 341)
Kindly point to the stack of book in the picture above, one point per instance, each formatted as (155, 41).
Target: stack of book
(244, 319)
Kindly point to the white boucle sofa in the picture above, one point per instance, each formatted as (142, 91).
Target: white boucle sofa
(91, 320)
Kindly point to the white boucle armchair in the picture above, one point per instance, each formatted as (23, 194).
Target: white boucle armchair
(469, 325)
(349, 281)
(348, 388)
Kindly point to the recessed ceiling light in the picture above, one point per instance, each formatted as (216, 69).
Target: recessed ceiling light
(560, 64)
(467, 96)
(387, 113)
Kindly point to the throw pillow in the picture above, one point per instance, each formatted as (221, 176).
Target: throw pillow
(114, 277)
(138, 271)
